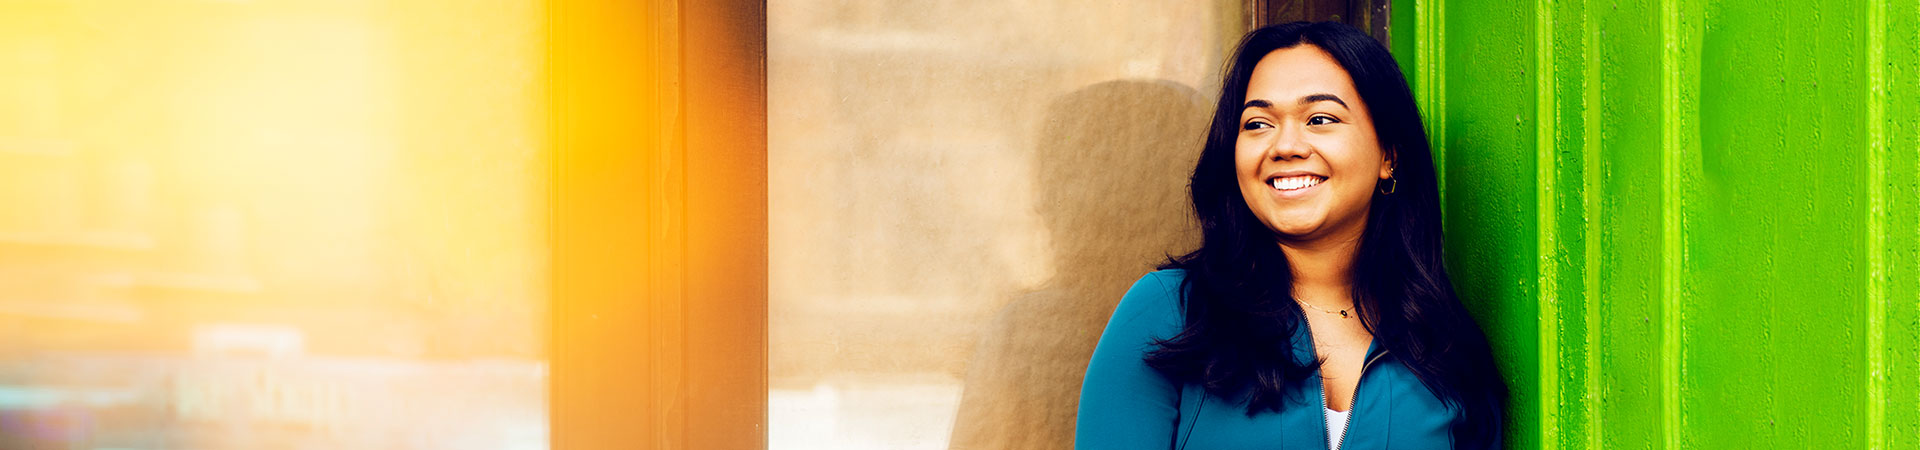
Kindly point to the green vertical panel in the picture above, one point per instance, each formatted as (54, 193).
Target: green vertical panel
(1564, 263)
(1567, 195)
(1588, 395)
(1899, 44)
(1885, 245)
(1429, 81)
(1629, 280)
(1779, 317)
(1745, 159)
(1876, 235)
(1490, 200)
(1401, 31)
(1685, 223)
(1547, 190)
(1679, 197)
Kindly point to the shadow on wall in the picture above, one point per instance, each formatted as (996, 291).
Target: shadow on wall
(1112, 167)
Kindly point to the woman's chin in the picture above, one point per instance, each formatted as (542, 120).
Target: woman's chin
(1295, 228)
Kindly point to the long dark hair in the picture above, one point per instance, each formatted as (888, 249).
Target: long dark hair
(1238, 296)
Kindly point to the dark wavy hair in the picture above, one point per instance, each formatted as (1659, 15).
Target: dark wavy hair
(1238, 296)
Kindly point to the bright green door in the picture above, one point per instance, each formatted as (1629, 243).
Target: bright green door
(1685, 224)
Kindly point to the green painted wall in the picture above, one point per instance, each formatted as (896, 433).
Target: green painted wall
(1684, 223)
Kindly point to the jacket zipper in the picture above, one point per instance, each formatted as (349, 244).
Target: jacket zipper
(1352, 405)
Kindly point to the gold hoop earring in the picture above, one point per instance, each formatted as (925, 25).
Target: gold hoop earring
(1391, 184)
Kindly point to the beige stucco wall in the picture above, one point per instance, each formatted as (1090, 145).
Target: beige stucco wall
(959, 192)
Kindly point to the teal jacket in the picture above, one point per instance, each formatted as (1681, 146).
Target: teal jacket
(1124, 404)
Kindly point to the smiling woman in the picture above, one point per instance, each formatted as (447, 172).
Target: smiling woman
(1315, 191)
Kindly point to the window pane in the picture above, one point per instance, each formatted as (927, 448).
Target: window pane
(271, 224)
(959, 192)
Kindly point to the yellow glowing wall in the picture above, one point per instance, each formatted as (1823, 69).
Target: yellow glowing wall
(266, 224)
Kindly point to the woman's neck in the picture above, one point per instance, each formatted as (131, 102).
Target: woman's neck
(1323, 268)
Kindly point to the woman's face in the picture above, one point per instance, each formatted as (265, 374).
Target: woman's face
(1306, 158)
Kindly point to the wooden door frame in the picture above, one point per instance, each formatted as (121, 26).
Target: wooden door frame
(659, 224)
(1371, 16)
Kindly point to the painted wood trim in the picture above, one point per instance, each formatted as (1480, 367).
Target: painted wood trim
(1680, 86)
(1876, 239)
(1429, 80)
(1670, 239)
(1547, 245)
(1590, 189)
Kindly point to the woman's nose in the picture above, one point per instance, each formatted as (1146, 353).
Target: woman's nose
(1289, 143)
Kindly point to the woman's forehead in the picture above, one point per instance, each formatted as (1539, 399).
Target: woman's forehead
(1292, 72)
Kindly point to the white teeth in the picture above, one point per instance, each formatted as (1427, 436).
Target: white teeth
(1299, 182)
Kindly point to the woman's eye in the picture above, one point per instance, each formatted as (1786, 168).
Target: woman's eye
(1255, 125)
(1322, 120)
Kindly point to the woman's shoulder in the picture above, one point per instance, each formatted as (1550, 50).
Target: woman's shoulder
(1159, 285)
(1154, 300)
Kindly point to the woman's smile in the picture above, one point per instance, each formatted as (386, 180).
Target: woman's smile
(1295, 186)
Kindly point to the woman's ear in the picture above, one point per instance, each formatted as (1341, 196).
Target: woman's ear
(1386, 170)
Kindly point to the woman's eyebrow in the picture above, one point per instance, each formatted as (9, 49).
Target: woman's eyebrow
(1263, 104)
(1323, 98)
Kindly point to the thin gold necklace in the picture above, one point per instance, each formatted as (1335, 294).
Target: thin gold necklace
(1343, 312)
